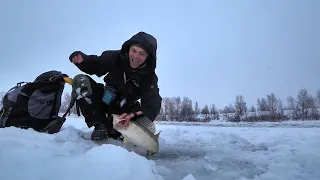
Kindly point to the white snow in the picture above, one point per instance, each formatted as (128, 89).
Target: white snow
(224, 123)
(189, 177)
(187, 152)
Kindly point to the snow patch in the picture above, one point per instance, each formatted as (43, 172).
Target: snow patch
(26, 154)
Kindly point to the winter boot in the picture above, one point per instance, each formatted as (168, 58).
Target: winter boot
(99, 132)
(115, 134)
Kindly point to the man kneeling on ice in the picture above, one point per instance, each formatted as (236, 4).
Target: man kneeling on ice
(130, 76)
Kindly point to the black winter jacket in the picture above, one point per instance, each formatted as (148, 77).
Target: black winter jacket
(133, 84)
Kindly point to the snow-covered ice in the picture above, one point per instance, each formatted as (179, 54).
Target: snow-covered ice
(239, 153)
(187, 152)
(224, 123)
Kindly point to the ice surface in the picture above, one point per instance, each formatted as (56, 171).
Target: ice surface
(186, 152)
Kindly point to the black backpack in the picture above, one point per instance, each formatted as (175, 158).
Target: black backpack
(35, 104)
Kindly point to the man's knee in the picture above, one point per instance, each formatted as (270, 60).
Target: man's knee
(82, 85)
(81, 80)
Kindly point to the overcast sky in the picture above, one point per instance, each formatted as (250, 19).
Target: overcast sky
(209, 51)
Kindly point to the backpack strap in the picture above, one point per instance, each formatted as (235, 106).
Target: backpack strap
(56, 100)
(72, 102)
(4, 115)
(73, 99)
(54, 126)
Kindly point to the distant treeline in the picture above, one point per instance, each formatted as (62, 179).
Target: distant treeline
(302, 107)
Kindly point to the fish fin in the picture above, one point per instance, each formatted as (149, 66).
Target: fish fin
(157, 136)
(125, 139)
(147, 123)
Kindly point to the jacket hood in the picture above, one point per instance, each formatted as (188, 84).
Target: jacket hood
(148, 42)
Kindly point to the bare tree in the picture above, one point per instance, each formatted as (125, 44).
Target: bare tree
(225, 111)
(161, 116)
(177, 103)
(262, 105)
(240, 106)
(292, 107)
(318, 98)
(262, 108)
(312, 106)
(303, 100)
(196, 108)
(280, 110)
(213, 111)
(252, 109)
(187, 112)
(291, 103)
(232, 109)
(272, 104)
(205, 110)
(220, 111)
(228, 111)
(165, 108)
(171, 110)
(252, 114)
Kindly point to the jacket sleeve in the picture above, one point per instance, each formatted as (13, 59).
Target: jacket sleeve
(151, 102)
(97, 65)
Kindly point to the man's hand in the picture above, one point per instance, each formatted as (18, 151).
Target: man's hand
(127, 117)
(77, 59)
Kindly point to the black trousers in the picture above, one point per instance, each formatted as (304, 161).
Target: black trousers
(96, 111)
(92, 107)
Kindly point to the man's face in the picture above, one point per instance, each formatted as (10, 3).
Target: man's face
(137, 56)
